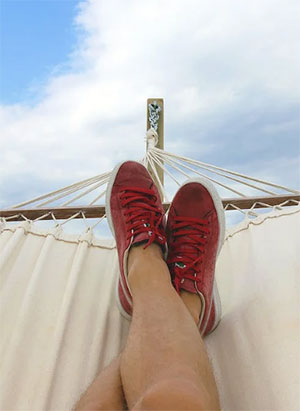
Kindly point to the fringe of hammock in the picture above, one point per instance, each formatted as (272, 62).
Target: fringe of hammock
(62, 213)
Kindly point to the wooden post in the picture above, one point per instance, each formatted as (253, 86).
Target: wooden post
(160, 131)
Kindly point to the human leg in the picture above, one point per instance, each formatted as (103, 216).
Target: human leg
(106, 392)
(165, 355)
(196, 231)
(192, 303)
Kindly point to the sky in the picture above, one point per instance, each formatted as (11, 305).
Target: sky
(75, 77)
(36, 38)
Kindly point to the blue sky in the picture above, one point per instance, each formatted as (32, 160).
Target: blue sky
(36, 38)
(75, 79)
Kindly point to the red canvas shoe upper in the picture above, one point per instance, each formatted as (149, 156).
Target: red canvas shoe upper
(135, 214)
(193, 234)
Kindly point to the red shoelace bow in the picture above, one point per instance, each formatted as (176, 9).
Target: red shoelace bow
(189, 238)
(142, 214)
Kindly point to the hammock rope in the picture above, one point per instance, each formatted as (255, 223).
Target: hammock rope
(220, 174)
(66, 190)
(206, 166)
(251, 212)
(175, 167)
(172, 164)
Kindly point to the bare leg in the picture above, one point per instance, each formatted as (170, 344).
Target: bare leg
(192, 303)
(164, 364)
(105, 393)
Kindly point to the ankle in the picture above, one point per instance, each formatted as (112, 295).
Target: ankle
(141, 254)
(147, 263)
(192, 303)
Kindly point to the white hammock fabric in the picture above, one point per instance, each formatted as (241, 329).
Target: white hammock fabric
(61, 326)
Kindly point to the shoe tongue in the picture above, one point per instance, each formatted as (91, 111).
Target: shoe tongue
(190, 249)
(140, 238)
(143, 238)
(187, 284)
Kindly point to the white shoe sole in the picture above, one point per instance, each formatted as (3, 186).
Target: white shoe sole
(112, 228)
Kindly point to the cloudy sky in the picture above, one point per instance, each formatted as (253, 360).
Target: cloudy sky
(75, 77)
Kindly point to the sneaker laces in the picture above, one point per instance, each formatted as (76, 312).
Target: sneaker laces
(189, 238)
(142, 214)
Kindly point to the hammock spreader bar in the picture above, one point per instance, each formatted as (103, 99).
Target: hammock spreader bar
(14, 214)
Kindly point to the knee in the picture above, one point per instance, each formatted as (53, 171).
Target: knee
(177, 394)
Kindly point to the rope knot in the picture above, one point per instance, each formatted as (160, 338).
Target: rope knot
(151, 138)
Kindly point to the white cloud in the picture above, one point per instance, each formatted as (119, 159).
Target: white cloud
(206, 58)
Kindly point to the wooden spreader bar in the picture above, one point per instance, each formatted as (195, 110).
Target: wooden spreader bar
(61, 213)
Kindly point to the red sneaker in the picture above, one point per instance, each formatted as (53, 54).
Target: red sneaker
(135, 214)
(195, 231)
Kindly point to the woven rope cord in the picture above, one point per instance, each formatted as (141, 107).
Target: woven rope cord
(75, 186)
(209, 167)
(221, 174)
(172, 164)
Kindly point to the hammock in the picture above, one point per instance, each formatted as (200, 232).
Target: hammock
(60, 322)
